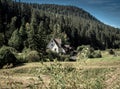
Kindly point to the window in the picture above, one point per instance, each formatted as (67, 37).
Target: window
(55, 49)
(51, 45)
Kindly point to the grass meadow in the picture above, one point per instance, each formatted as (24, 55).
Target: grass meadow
(97, 73)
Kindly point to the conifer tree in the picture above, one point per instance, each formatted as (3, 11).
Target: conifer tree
(23, 33)
(16, 40)
(1, 39)
(12, 27)
(1, 25)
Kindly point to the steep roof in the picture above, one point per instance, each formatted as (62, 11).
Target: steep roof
(58, 42)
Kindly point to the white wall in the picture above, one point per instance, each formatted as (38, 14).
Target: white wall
(55, 48)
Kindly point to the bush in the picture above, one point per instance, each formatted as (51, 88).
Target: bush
(111, 52)
(28, 55)
(21, 58)
(6, 57)
(65, 58)
(97, 54)
(33, 56)
(80, 48)
(88, 52)
(52, 55)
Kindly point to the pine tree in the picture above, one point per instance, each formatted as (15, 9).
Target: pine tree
(16, 40)
(12, 27)
(33, 23)
(32, 39)
(1, 25)
(22, 32)
(1, 39)
(42, 35)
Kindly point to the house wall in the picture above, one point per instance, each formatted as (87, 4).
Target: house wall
(51, 44)
(55, 48)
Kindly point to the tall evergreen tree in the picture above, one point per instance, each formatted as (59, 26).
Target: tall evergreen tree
(1, 23)
(16, 40)
(23, 33)
(12, 27)
(1, 39)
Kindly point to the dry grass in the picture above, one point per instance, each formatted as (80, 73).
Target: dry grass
(103, 73)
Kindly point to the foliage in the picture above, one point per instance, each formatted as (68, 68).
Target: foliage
(28, 55)
(33, 56)
(6, 57)
(87, 52)
(52, 55)
(15, 40)
(1, 39)
(80, 48)
(21, 58)
(97, 54)
(111, 51)
(69, 77)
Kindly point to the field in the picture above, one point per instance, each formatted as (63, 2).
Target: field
(98, 73)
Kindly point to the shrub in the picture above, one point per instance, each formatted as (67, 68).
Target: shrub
(88, 52)
(33, 56)
(97, 54)
(90, 55)
(13, 50)
(6, 57)
(52, 55)
(111, 52)
(21, 58)
(29, 55)
(26, 50)
(79, 48)
(65, 58)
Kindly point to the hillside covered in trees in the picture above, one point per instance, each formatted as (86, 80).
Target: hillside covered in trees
(26, 25)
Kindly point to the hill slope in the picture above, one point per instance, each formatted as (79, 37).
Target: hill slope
(33, 24)
(65, 10)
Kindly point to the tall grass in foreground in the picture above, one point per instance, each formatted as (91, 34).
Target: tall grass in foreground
(65, 76)
(69, 77)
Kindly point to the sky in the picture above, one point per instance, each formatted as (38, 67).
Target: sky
(107, 11)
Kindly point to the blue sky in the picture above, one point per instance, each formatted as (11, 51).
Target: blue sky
(107, 11)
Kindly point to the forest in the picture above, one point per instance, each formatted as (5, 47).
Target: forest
(32, 26)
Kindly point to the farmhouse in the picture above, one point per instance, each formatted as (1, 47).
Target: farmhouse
(55, 45)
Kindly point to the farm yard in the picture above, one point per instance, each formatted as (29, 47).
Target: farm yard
(96, 73)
